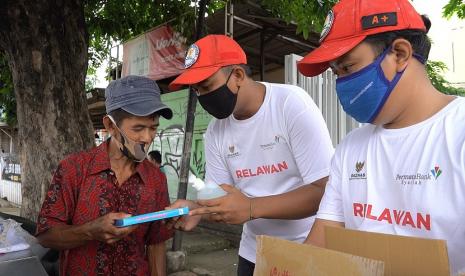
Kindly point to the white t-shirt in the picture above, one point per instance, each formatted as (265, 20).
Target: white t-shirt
(284, 146)
(408, 181)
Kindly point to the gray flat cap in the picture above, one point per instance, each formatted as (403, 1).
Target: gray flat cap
(137, 95)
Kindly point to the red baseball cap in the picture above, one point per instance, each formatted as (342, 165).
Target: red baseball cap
(206, 56)
(350, 22)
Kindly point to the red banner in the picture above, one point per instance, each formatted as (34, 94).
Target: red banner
(158, 54)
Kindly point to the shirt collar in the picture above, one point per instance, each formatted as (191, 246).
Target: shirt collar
(101, 161)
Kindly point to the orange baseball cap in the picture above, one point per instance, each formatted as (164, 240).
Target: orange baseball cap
(206, 56)
(350, 22)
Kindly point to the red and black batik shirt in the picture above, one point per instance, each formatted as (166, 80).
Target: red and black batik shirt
(85, 188)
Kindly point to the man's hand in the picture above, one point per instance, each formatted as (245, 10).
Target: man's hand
(233, 208)
(185, 223)
(104, 230)
(64, 237)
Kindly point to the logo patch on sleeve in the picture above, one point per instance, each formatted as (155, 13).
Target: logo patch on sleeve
(379, 20)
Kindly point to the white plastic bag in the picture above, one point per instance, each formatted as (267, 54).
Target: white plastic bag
(13, 237)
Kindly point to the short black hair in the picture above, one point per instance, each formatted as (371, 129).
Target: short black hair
(155, 155)
(227, 69)
(421, 44)
(120, 114)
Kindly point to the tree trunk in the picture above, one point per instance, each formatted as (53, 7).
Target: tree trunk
(45, 43)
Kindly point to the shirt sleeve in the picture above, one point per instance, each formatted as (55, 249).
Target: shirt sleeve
(216, 168)
(158, 232)
(331, 205)
(308, 137)
(58, 206)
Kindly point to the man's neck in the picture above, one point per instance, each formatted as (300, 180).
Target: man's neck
(422, 103)
(119, 163)
(251, 99)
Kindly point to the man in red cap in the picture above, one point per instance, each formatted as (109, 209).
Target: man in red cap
(269, 144)
(404, 172)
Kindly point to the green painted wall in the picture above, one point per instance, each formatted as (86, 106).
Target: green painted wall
(170, 139)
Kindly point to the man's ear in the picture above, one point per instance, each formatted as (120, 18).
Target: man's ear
(403, 50)
(239, 76)
(109, 126)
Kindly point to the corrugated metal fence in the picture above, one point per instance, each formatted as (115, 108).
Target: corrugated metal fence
(11, 190)
(322, 89)
(10, 178)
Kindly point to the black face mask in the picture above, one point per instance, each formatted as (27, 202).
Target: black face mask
(220, 102)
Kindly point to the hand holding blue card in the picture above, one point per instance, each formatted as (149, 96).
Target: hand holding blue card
(151, 217)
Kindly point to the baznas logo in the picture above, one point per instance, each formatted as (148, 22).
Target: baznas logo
(436, 172)
(233, 152)
(358, 172)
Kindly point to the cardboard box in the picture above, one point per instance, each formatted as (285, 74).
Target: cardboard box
(401, 255)
(276, 257)
(351, 252)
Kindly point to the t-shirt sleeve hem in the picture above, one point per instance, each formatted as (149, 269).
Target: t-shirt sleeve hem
(316, 176)
(332, 217)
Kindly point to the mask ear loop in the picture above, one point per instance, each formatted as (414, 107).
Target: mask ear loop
(420, 58)
(120, 131)
(230, 74)
(391, 87)
(123, 148)
(227, 80)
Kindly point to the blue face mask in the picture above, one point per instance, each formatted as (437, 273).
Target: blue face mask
(363, 93)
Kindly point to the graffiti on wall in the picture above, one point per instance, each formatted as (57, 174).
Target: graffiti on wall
(171, 142)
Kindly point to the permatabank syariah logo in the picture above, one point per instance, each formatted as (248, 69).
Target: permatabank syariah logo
(436, 172)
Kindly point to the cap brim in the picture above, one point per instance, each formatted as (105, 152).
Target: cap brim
(147, 108)
(317, 61)
(193, 76)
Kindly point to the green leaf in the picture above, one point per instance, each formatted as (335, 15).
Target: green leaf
(456, 7)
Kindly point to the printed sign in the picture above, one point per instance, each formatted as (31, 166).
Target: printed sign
(157, 54)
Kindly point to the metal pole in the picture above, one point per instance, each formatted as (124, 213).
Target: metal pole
(117, 60)
(229, 19)
(189, 131)
(262, 55)
(226, 29)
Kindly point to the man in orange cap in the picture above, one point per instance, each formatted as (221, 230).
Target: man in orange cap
(269, 145)
(404, 172)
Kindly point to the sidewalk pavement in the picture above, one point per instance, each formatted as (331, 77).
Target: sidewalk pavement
(207, 255)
